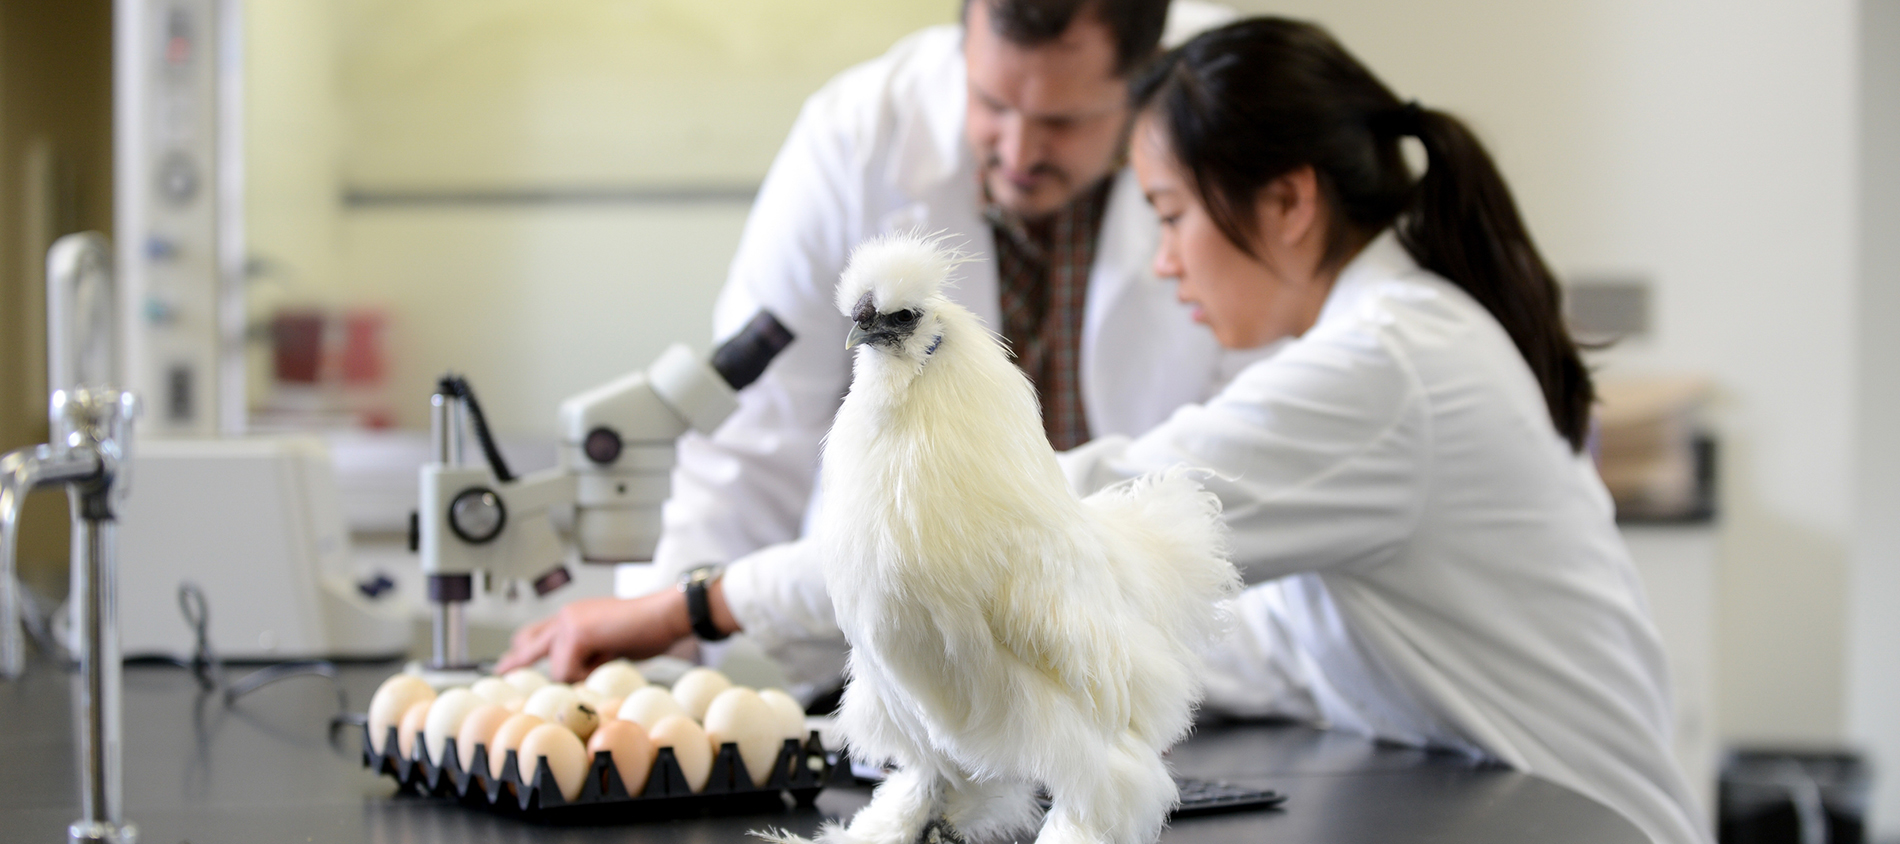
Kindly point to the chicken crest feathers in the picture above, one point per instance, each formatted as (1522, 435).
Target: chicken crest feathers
(899, 270)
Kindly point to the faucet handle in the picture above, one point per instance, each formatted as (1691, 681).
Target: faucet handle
(81, 330)
(19, 473)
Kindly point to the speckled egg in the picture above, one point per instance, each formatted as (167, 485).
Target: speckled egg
(558, 704)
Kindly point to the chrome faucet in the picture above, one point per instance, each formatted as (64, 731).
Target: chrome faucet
(91, 422)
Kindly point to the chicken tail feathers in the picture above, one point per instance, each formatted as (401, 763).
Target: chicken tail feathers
(1186, 577)
(777, 835)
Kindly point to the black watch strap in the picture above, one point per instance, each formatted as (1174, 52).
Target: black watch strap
(698, 606)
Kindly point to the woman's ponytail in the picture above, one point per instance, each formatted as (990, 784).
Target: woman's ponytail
(1463, 225)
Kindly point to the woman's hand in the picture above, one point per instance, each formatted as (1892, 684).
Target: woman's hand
(590, 631)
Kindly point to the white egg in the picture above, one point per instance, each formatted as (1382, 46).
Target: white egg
(690, 748)
(738, 716)
(558, 704)
(391, 701)
(696, 689)
(479, 729)
(525, 679)
(411, 726)
(615, 679)
(633, 752)
(567, 758)
(498, 691)
(648, 706)
(445, 720)
(508, 737)
(791, 716)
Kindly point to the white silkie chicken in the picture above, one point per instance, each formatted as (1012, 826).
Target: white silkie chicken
(1004, 633)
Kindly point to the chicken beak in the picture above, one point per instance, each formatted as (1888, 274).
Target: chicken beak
(856, 338)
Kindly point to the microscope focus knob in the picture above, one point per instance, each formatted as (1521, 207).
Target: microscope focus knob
(602, 446)
(477, 515)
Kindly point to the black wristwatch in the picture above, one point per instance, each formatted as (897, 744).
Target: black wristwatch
(698, 609)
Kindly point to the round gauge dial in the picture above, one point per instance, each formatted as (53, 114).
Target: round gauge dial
(477, 515)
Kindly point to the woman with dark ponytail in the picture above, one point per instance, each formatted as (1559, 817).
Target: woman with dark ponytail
(1434, 559)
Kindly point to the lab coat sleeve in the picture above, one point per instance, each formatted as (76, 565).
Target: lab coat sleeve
(749, 484)
(1318, 454)
(777, 594)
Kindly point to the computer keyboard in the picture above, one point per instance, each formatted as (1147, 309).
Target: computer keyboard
(1202, 797)
(1205, 797)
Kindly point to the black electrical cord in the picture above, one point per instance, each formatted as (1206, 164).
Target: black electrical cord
(457, 386)
(204, 664)
(209, 669)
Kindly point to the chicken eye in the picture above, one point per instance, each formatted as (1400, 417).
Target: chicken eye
(904, 317)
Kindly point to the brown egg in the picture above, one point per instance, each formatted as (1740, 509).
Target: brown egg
(690, 747)
(610, 709)
(567, 758)
(508, 737)
(412, 724)
(478, 729)
(392, 700)
(633, 752)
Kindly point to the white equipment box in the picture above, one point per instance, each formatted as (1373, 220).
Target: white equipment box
(257, 525)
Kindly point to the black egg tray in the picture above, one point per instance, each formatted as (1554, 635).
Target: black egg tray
(800, 771)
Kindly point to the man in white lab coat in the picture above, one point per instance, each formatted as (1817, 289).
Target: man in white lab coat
(1008, 136)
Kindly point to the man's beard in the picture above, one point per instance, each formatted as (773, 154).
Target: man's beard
(1052, 189)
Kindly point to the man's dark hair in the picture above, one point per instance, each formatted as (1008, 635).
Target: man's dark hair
(1135, 24)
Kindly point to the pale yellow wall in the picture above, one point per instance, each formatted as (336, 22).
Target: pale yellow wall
(563, 92)
(535, 303)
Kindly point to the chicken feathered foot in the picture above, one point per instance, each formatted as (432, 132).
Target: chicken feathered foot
(915, 807)
(1116, 793)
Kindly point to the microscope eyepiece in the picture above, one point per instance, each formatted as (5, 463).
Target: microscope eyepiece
(743, 358)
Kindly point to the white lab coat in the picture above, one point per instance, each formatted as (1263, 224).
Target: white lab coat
(1436, 566)
(879, 149)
